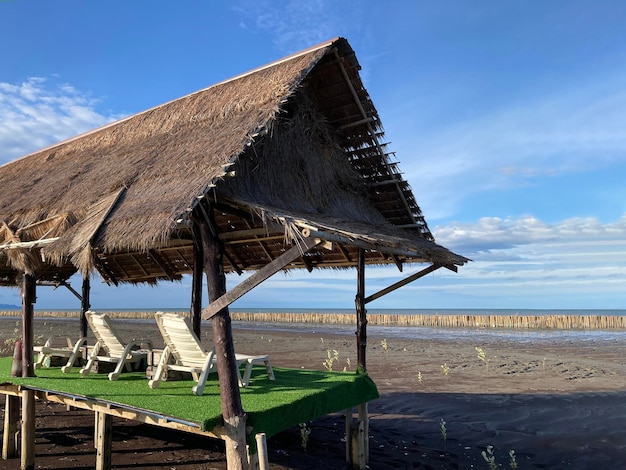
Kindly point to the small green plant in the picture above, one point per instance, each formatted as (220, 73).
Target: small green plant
(348, 363)
(512, 460)
(445, 369)
(305, 432)
(444, 432)
(482, 356)
(420, 377)
(384, 345)
(9, 344)
(332, 356)
(490, 458)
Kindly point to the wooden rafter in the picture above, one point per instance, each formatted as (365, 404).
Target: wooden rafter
(162, 264)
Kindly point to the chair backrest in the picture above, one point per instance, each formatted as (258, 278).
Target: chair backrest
(105, 333)
(180, 338)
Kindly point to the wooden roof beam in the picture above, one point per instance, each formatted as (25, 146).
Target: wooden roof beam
(370, 128)
(233, 263)
(105, 272)
(261, 275)
(333, 237)
(403, 282)
(139, 265)
(158, 259)
(344, 252)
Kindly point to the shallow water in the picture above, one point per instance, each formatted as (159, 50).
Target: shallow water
(450, 334)
(411, 332)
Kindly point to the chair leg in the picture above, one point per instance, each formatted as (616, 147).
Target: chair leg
(92, 358)
(202, 378)
(248, 371)
(243, 382)
(40, 358)
(161, 368)
(270, 371)
(72, 359)
(118, 369)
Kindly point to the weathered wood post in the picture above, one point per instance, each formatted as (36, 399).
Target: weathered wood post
(359, 449)
(361, 314)
(11, 419)
(232, 410)
(104, 440)
(85, 305)
(27, 457)
(196, 282)
(28, 299)
(29, 292)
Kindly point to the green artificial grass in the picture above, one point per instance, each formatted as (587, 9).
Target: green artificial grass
(296, 396)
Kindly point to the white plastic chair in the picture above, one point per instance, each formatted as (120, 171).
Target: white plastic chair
(51, 348)
(110, 347)
(183, 347)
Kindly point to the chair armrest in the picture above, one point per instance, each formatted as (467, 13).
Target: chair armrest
(78, 344)
(48, 343)
(140, 342)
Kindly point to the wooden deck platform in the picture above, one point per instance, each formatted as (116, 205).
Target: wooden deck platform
(295, 397)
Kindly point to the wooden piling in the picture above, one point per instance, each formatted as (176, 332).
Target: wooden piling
(104, 440)
(11, 420)
(28, 430)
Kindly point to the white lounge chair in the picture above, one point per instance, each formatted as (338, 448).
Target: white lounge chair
(53, 347)
(110, 347)
(183, 347)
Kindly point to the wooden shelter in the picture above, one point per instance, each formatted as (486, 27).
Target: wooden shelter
(279, 168)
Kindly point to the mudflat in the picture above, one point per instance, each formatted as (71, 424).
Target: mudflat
(557, 399)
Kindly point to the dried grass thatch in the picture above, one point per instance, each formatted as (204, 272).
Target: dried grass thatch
(301, 136)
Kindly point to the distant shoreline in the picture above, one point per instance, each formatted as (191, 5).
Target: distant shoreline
(493, 321)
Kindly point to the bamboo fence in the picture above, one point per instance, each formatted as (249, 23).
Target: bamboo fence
(548, 322)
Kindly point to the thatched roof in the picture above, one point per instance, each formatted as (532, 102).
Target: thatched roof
(295, 145)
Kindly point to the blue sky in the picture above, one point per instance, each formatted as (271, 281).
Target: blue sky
(508, 120)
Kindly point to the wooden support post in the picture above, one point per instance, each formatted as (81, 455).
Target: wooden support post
(358, 447)
(85, 305)
(360, 444)
(28, 430)
(349, 436)
(104, 440)
(11, 419)
(196, 282)
(228, 373)
(357, 437)
(29, 297)
(361, 314)
(261, 447)
(365, 421)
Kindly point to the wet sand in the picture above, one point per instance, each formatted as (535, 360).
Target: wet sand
(557, 399)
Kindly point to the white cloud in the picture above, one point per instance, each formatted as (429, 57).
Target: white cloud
(572, 131)
(575, 262)
(39, 112)
(489, 234)
(297, 25)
